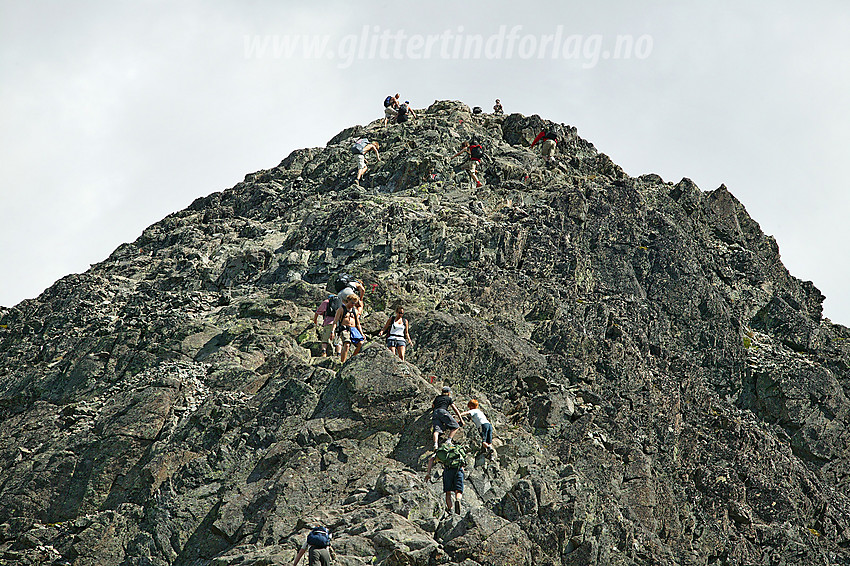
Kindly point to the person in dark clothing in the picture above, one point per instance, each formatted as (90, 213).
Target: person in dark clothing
(441, 419)
(317, 548)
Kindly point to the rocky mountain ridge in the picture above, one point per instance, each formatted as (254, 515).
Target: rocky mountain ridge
(663, 391)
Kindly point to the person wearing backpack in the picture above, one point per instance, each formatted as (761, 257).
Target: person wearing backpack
(441, 420)
(346, 285)
(477, 416)
(327, 310)
(404, 112)
(347, 327)
(360, 148)
(497, 108)
(390, 109)
(397, 330)
(547, 147)
(317, 547)
(453, 458)
(475, 153)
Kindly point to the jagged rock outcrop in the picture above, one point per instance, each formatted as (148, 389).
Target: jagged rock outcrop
(663, 390)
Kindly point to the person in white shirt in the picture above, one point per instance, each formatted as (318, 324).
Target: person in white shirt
(477, 416)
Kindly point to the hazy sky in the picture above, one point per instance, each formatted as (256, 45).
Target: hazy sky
(114, 114)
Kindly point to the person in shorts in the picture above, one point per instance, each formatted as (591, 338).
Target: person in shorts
(324, 332)
(549, 140)
(471, 164)
(441, 419)
(347, 327)
(397, 330)
(452, 480)
(361, 159)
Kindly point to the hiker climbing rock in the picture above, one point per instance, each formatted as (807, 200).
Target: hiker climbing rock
(452, 457)
(397, 330)
(360, 148)
(327, 310)
(477, 416)
(404, 112)
(317, 547)
(390, 109)
(497, 108)
(346, 326)
(474, 152)
(547, 147)
(441, 419)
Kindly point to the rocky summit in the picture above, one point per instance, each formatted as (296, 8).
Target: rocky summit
(663, 391)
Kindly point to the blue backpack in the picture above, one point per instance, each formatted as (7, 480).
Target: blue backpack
(319, 537)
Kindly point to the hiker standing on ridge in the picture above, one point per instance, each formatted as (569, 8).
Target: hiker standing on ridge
(475, 152)
(360, 148)
(397, 330)
(327, 310)
(497, 108)
(317, 545)
(346, 326)
(390, 109)
(476, 415)
(441, 420)
(547, 147)
(452, 457)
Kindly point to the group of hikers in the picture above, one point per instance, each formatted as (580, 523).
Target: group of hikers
(396, 112)
(446, 452)
(449, 454)
(340, 329)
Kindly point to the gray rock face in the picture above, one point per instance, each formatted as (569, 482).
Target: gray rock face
(663, 391)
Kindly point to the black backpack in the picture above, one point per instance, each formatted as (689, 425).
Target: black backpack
(402, 114)
(477, 110)
(319, 537)
(359, 146)
(476, 152)
(388, 101)
(334, 302)
(342, 281)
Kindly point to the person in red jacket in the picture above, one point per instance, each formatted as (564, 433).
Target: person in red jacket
(547, 147)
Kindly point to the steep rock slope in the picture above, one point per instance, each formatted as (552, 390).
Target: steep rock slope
(663, 390)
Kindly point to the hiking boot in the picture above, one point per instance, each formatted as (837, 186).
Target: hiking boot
(457, 506)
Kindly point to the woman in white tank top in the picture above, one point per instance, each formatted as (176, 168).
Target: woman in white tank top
(397, 330)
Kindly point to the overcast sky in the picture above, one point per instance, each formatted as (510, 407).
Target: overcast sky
(114, 114)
